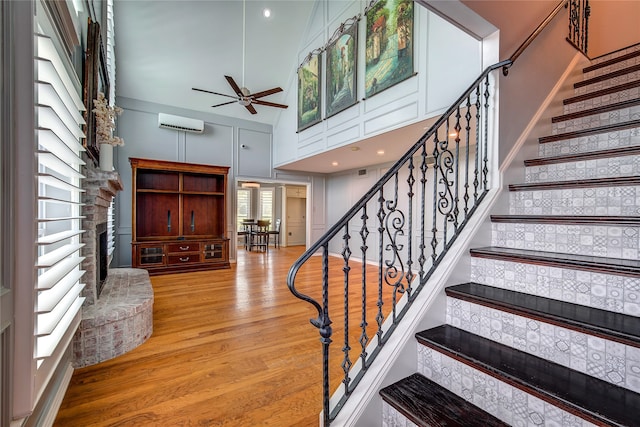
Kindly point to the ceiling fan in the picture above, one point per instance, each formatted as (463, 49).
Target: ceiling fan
(242, 95)
(246, 98)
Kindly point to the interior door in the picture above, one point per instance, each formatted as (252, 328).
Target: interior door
(296, 221)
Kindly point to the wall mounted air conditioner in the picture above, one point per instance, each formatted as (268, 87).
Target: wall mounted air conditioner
(169, 121)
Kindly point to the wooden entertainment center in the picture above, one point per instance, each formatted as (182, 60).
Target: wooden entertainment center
(179, 216)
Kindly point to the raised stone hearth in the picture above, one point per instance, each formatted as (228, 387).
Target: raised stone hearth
(120, 316)
(119, 321)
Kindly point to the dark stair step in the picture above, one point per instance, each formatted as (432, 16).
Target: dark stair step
(611, 61)
(601, 92)
(633, 221)
(597, 110)
(592, 131)
(591, 155)
(605, 324)
(595, 400)
(613, 74)
(617, 266)
(428, 404)
(624, 181)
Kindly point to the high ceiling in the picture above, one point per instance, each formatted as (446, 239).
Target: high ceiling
(166, 47)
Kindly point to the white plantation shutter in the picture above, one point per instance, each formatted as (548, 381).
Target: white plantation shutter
(266, 204)
(111, 71)
(59, 135)
(111, 55)
(243, 207)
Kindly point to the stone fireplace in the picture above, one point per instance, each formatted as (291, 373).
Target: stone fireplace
(100, 189)
(117, 314)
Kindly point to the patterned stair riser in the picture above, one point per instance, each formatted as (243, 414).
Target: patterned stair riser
(393, 418)
(596, 120)
(500, 399)
(609, 361)
(615, 201)
(620, 294)
(599, 101)
(613, 81)
(585, 169)
(584, 144)
(594, 240)
(613, 67)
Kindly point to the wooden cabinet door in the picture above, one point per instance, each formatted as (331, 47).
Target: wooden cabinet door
(203, 216)
(157, 216)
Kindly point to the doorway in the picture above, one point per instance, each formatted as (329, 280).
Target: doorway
(295, 212)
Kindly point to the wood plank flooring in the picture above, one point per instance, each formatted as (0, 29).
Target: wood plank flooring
(229, 348)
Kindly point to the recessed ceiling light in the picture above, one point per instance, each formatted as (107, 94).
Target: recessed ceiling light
(380, 152)
(266, 12)
(334, 163)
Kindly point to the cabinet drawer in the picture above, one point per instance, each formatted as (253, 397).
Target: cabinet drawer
(183, 247)
(184, 258)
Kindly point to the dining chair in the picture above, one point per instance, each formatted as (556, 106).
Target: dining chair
(276, 234)
(247, 226)
(260, 235)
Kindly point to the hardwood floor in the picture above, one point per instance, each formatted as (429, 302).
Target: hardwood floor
(229, 348)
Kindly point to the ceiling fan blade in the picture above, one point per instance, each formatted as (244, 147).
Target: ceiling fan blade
(234, 85)
(267, 103)
(266, 92)
(215, 93)
(251, 109)
(224, 103)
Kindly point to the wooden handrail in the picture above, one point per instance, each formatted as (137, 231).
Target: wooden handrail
(533, 35)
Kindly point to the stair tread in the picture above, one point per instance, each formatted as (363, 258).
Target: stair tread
(596, 110)
(566, 388)
(568, 219)
(602, 92)
(611, 61)
(607, 76)
(589, 155)
(426, 404)
(605, 324)
(591, 131)
(605, 265)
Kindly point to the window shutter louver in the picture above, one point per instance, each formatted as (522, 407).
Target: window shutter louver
(59, 134)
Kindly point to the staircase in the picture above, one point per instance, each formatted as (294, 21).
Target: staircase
(547, 331)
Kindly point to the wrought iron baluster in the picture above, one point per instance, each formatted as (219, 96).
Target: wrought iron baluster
(476, 172)
(434, 220)
(456, 199)
(346, 349)
(467, 127)
(325, 332)
(423, 211)
(485, 169)
(409, 275)
(364, 339)
(381, 216)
